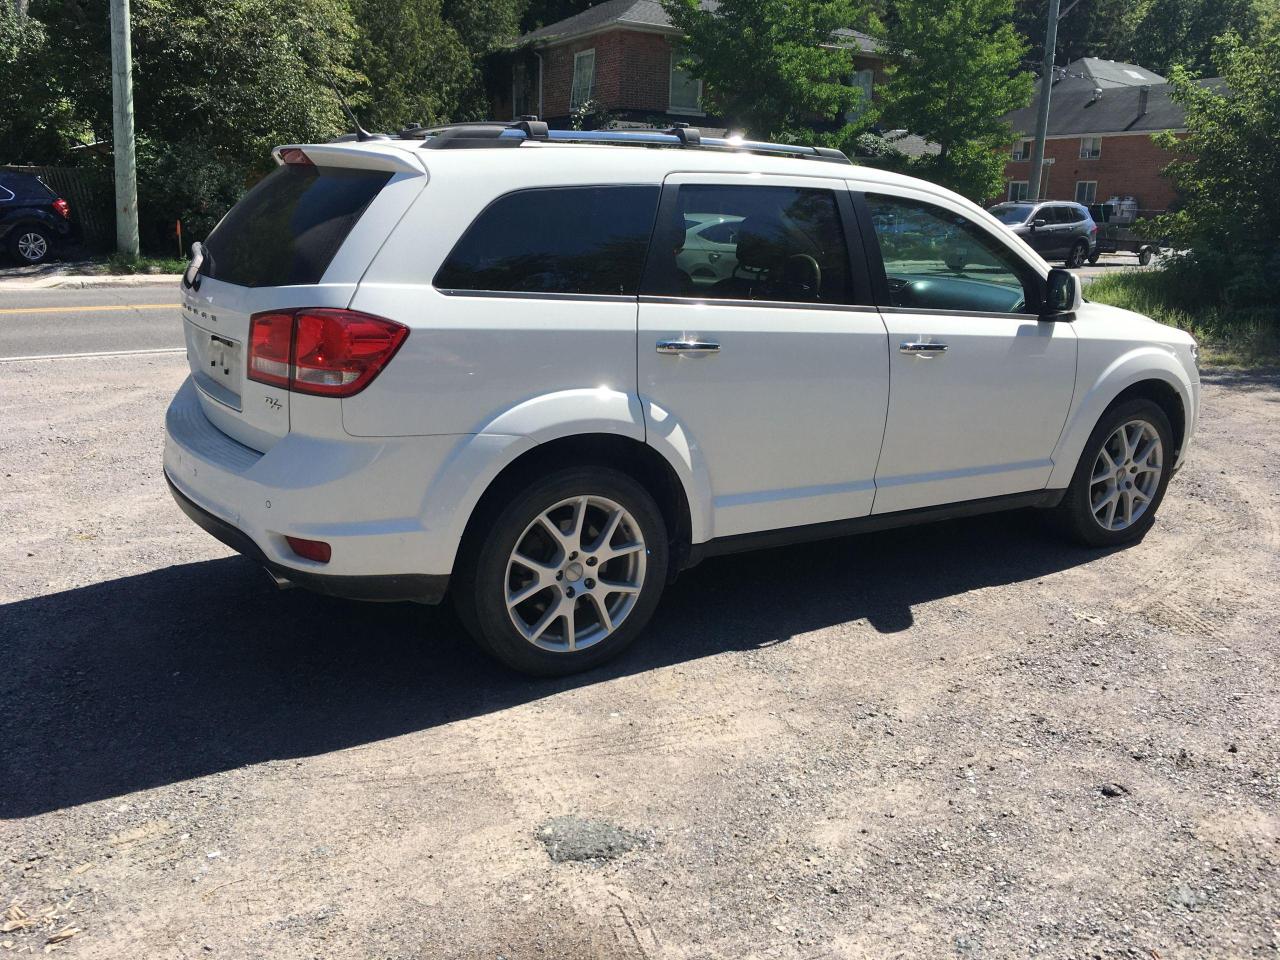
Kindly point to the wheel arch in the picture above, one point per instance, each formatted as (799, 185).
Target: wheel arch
(616, 451)
(1147, 373)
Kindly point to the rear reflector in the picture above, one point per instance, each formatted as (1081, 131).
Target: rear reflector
(316, 550)
(63, 208)
(327, 353)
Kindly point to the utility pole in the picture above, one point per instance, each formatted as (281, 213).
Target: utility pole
(1046, 91)
(122, 146)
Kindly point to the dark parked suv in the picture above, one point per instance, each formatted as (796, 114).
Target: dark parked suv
(34, 221)
(1056, 230)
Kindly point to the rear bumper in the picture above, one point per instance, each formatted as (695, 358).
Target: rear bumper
(364, 497)
(416, 587)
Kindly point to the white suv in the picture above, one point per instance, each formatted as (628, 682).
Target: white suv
(478, 361)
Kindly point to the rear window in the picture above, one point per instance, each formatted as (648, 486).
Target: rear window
(567, 240)
(288, 228)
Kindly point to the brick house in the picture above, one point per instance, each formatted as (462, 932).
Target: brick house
(624, 56)
(1101, 119)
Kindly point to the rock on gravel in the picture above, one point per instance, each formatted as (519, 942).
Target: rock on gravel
(575, 838)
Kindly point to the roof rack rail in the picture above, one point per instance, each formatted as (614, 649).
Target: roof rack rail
(498, 133)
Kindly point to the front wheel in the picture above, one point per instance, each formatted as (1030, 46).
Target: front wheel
(567, 573)
(1121, 477)
(1078, 254)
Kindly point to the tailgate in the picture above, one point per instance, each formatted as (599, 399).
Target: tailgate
(302, 237)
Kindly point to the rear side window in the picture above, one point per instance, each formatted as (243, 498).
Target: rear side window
(288, 228)
(566, 240)
(752, 242)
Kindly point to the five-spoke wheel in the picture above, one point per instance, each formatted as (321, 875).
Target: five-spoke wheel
(1121, 476)
(565, 573)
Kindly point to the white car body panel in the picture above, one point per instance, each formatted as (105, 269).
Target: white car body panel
(807, 414)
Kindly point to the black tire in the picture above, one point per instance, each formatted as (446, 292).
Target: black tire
(1074, 515)
(1145, 256)
(1093, 257)
(1077, 255)
(482, 580)
(23, 239)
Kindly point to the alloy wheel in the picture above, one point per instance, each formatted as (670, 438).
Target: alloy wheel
(575, 573)
(1126, 475)
(32, 246)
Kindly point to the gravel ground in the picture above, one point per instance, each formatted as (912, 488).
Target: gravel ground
(965, 740)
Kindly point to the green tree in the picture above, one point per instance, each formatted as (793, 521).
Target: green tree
(1228, 176)
(36, 120)
(1093, 28)
(775, 68)
(955, 71)
(418, 69)
(1182, 32)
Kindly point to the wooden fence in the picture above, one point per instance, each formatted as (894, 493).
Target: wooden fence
(91, 194)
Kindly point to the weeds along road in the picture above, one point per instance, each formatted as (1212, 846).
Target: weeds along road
(961, 740)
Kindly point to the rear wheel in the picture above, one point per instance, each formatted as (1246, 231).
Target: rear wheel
(1093, 257)
(567, 573)
(30, 245)
(1078, 253)
(1145, 256)
(1121, 477)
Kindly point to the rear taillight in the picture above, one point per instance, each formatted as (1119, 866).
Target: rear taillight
(328, 353)
(63, 208)
(1093, 228)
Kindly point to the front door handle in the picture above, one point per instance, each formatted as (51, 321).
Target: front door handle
(687, 346)
(914, 349)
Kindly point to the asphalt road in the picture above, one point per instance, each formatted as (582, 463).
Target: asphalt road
(40, 323)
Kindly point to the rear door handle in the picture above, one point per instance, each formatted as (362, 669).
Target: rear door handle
(687, 346)
(915, 349)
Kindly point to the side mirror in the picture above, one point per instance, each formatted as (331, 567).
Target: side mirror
(1037, 223)
(191, 278)
(1062, 295)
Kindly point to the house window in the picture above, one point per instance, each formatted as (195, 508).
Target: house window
(1090, 148)
(1086, 191)
(1017, 190)
(864, 80)
(686, 89)
(584, 78)
(1022, 149)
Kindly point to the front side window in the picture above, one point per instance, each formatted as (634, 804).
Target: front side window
(1090, 148)
(783, 244)
(938, 260)
(1017, 190)
(584, 78)
(564, 240)
(686, 89)
(1086, 191)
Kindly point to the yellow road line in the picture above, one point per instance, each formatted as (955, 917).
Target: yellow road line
(114, 306)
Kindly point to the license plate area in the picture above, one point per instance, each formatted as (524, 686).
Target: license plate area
(217, 365)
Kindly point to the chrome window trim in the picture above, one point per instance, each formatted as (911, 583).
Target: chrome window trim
(772, 304)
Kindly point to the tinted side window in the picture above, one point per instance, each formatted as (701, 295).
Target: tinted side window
(752, 243)
(288, 228)
(557, 240)
(938, 260)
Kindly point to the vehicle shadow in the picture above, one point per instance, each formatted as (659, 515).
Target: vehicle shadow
(203, 667)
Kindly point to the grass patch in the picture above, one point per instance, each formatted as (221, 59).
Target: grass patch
(1240, 338)
(119, 263)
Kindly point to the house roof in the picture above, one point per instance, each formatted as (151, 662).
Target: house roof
(1113, 110)
(647, 15)
(1111, 73)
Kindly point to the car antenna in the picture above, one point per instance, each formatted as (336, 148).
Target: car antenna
(361, 133)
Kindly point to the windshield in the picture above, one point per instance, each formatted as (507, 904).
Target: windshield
(1011, 212)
